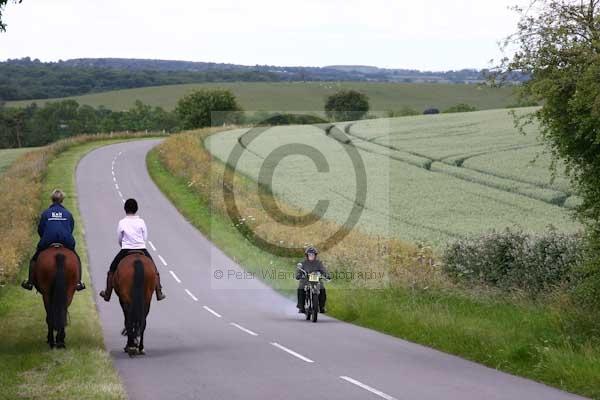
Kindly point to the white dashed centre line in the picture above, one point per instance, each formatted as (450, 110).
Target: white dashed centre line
(175, 277)
(162, 260)
(191, 295)
(292, 352)
(241, 328)
(213, 312)
(367, 387)
(152, 245)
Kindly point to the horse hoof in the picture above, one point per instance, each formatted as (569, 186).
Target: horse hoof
(51, 345)
(60, 346)
(142, 352)
(132, 351)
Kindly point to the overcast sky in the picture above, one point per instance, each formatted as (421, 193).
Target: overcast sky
(421, 34)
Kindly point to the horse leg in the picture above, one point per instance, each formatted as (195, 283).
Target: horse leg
(131, 347)
(50, 336)
(141, 346)
(60, 338)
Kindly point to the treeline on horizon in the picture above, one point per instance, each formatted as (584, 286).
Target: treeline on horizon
(37, 126)
(27, 79)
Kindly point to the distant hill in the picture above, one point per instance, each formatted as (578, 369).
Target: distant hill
(26, 79)
(327, 73)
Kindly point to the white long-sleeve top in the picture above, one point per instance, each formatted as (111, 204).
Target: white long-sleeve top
(132, 232)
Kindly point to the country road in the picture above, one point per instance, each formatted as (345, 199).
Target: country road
(239, 339)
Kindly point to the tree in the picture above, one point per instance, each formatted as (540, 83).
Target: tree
(2, 5)
(203, 108)
(558, 46)
(346, 105)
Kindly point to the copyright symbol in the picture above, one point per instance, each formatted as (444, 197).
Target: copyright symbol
(266, 177)
(218, 274)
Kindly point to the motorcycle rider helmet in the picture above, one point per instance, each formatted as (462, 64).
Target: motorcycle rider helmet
(311, 250)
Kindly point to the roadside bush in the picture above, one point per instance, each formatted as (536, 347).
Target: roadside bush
(431, 111)
(514, 259)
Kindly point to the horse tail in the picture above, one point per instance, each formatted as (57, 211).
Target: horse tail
(58, 295)
(137, 310)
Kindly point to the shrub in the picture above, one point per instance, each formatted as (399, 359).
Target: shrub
(286, 119)
(514, 259)
(431, 111)
(405, 111)
(462, 107)
(346, 105)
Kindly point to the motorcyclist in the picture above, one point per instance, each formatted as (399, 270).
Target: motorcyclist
(311, 264)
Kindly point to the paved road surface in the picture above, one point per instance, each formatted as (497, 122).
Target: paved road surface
(238, 339)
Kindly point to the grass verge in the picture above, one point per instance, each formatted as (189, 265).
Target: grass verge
(522, 338)
(29, 369)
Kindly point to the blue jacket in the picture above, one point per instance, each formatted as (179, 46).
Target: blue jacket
(56, 226)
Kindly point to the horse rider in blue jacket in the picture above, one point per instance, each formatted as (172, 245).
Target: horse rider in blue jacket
(56, 226)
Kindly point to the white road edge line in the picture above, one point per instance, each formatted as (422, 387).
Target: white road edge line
(292, 352)
(191, 295)
(114, 179)
(241, 328)
(175, 276)
(151, 245)
(120, 194)
(367, 387)
(113, 172)
(213, 312)
(117, 186)
(162, 260)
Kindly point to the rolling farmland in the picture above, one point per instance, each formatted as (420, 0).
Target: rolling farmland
(7, 156)
(429, 178)
(306, 96)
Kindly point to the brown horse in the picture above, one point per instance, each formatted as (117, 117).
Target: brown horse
(134, 282)
(55, 276)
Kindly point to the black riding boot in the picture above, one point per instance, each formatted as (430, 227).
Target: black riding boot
(301, 301)
(28, 284)
(80, 286)
(106, 293)
(322, 300)
(159, 294)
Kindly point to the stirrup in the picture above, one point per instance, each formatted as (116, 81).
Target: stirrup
(80, 286)
(160, 295)
(27, 285)
(103, 295)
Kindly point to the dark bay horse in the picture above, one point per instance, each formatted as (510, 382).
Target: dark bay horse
(55, 276)
(135, 282)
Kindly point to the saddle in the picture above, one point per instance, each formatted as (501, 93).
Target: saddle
(56, 245)
(134, 251)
